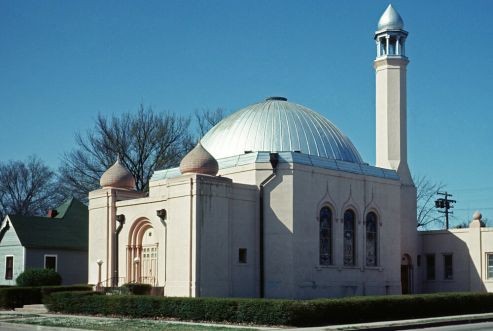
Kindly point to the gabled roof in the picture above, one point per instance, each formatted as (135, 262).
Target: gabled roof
(68, 230)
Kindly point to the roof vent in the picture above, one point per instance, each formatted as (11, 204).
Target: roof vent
(276, 99)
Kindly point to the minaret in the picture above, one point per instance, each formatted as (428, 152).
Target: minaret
(390, 66)
(391, 134)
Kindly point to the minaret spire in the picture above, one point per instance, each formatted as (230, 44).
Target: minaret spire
(391, 95)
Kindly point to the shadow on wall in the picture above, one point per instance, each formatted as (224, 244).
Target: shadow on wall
(452, 261)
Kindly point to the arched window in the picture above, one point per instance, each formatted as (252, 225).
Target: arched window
(349, 247)
(325, 231)
(371, 239)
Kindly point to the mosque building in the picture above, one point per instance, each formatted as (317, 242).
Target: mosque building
(276, 202)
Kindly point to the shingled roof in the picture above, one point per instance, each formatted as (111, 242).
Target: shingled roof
(67, 230)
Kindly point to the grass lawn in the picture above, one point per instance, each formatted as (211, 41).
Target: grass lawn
(118, 324)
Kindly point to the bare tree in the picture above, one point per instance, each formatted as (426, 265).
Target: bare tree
(207, 118)
(27, 188)
(427, 214)
(145, 141)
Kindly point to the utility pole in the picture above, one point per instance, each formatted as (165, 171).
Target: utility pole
(445, 203)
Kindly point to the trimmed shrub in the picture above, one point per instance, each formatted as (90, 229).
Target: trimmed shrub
(46, 291)
(138, 289)
(274, 312)
(38, 277)
(14, 297)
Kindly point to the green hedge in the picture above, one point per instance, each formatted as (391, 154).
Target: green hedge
(274, 312)
(39, 277)
(15, 296)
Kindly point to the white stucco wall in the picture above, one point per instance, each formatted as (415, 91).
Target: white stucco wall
(314, 188)
(469, 248)
(210, 218)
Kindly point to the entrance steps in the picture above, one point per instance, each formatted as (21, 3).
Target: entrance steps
(33, 309)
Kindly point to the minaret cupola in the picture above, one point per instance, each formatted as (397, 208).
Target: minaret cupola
(390, 35)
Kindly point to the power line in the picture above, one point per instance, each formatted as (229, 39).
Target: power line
(478, 208)
(486, 188)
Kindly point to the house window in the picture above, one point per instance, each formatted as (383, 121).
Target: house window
(448, 267)
(325, 232)
(349, 218)
(50, 262)
(430, 267)
(9, 267)
(489, 269)
(371, 239)
(242, 255)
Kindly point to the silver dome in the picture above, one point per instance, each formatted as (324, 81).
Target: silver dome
(277, 125)
(390, 20)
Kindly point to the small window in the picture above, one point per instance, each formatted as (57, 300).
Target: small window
(419, 261)
(9, 267)
(448, 268)
(430, 267)
(489, 270)
(50, 262)
(242, 255)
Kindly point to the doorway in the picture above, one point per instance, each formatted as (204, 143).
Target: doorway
(406, 274)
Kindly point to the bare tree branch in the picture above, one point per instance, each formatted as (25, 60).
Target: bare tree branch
(27, 188)
(207, 118)
(427, 214)
(145, 141)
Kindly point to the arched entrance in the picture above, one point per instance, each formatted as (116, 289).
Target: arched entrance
(406, 274)
(142, 253)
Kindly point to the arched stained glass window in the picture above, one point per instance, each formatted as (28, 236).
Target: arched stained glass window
(325, 229)
(349, 246)
(371, 239)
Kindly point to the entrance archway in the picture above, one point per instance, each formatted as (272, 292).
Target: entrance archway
(406, 274)
(142, 253)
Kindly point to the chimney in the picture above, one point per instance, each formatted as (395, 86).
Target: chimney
(52, 213)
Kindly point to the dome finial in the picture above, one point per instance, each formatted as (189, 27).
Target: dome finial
(390, 20)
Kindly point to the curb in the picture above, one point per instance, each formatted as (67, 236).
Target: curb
(406, 324)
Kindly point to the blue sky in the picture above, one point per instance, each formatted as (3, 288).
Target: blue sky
(63, 62)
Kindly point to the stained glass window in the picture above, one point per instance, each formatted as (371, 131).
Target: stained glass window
(325, 236)
(349, 218)
(371, 239)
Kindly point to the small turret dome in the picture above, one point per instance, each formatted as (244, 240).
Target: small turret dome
(118, 176)
(390, 20)
(477, 216)
(199, 161)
